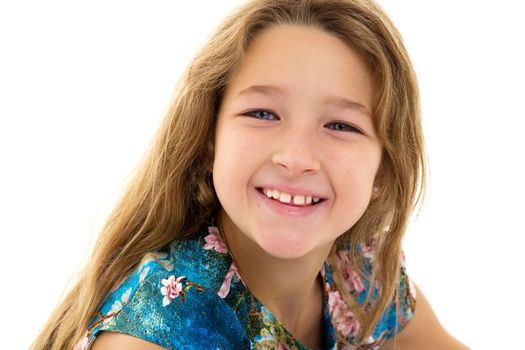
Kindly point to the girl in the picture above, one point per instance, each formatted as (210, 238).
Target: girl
(270, 211)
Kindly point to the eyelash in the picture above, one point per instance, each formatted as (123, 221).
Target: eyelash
(346, 127)
(251, 114)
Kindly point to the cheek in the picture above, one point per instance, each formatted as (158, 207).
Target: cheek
(360, 163)
(233, 161)
(357, 173)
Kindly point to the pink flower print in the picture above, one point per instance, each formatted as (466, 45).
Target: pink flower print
(115, 309)
(402, 261)
(108, 320)
(214, 241)
(352, 279)
(282, 346)
(370, 250)
(369, 340)
(125, 297)
(344, 319)
(225, 287)
(411, 287)
(372, 343)
(172, 289)
(117, 306)
(143, 274)
(83, 343)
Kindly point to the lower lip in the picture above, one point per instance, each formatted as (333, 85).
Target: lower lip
(289, 210)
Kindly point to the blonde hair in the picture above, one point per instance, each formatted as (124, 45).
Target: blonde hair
(171, 193)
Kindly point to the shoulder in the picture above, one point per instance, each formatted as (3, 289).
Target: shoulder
(119, 341)
(357, 281)
(400, 309)
(424, 331)
(171, 300)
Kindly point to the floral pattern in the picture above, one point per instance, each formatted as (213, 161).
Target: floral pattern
(171, 289)
(191, 296)
(369, 250)
(344, 320)
(352, 280)
(225, 287)
(213, 241)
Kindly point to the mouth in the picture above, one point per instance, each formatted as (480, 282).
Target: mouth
(294, 200)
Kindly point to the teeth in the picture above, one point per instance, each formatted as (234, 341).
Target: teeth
(288, 198)
(285, 197)
(298, 199)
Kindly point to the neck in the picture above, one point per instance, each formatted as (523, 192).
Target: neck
(290, 288)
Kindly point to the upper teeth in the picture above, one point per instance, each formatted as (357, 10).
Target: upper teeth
(287, 198)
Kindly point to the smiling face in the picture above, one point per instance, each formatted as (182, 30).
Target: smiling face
(295, 125)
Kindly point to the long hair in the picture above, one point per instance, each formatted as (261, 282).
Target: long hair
(171, 193)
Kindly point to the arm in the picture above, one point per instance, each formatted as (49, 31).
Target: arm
(424, 331)
(119, 341)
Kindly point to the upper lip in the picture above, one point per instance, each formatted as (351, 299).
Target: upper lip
(292, 190)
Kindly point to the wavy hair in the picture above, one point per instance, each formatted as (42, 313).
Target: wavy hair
(171, 193)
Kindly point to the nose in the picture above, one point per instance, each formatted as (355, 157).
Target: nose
(296, 152)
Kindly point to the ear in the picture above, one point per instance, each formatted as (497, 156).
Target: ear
(378, 182)
(381, 178)
(375, 192)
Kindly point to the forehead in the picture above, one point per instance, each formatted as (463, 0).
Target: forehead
(303, 62)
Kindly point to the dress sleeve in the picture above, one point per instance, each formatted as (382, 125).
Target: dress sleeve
(169, 310)
(400, 310)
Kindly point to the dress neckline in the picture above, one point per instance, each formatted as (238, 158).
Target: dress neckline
(262, 324)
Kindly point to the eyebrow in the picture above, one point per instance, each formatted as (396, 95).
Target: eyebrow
(335, 101)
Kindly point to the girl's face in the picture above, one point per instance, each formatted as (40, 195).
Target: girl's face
(295, 124)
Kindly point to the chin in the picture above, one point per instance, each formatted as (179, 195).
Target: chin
(285, 246)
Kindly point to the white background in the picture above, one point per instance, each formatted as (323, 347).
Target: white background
(84, 85)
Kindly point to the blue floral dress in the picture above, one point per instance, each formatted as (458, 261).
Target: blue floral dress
(191, 296)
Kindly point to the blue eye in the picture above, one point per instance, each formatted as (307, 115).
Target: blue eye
(262, 114)
(340, 126)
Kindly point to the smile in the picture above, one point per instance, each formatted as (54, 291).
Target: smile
(287, 198)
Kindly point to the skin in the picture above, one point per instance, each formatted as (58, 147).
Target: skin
(296, 145)
(424, 331)
(305, 144)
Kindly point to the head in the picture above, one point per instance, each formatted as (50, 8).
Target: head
(396, 163)
(190, 126)
(173, 190)
(295, 119)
